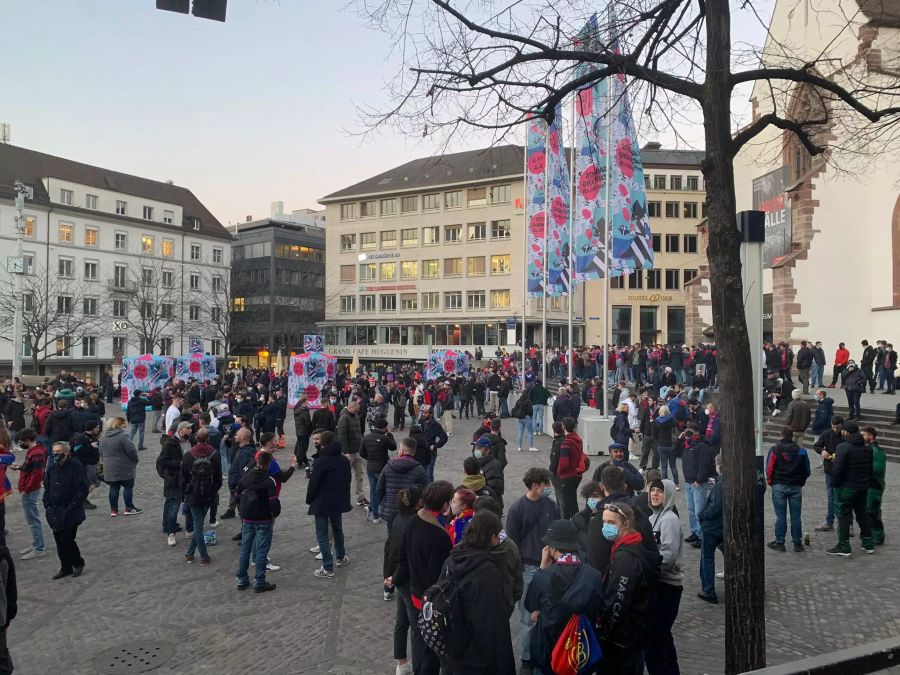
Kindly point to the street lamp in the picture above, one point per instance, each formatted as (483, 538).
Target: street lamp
(18, 269)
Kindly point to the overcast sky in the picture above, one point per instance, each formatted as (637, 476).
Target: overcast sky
(243, 113)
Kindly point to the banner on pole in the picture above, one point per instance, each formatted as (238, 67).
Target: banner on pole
(558, 277)
(308, 374)
(536, 164)
(145, 372)
(313, 343)
(447, 362)
(196, 345)
(197, 366)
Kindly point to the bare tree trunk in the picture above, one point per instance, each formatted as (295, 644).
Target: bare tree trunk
(745, 626)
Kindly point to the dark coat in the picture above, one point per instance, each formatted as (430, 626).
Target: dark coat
(426, 545)
(600, 548)
(15, 415)
(65, 489)
(852, 464)
(303, 425)
(323, 418)
(627, 595)
(493, 475)
(376, 449)
(168, 466)
(698, 462)
(242, 458)
(397, 475)
(60, 426)
(187, 468)
(328, 490)
(633, 478)
(565, 406)
(710, 516)
(822, 418)
(349, 432)
(855, 380)
(620, 431)
(136, 410)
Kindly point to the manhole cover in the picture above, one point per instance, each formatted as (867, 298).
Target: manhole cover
(134, 657)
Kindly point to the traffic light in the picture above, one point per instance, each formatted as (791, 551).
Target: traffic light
(203, 9)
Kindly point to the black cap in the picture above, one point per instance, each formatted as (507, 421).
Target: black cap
(562, 535)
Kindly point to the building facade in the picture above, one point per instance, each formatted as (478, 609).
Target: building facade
(277, 284)
(114, 265)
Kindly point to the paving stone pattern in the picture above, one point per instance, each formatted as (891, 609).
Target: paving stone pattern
(135, 588)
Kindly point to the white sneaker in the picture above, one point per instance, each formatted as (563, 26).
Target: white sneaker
(322, 573)
(26, 550)
(315, 549)
(340, 562)
(376, 521)
(33, 553)
(272, 568)
(534, 450)
(318, 555)
(171, 541)
(518, 449)
(405, 669)
(388, 596)
(720, 575)
(214, 525)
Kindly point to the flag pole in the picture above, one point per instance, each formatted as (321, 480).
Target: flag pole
(607, 349)
(571, 230)
(524, 245)
(544, 264)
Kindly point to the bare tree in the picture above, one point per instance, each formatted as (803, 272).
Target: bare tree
(154, 298)
(215, 302)
(492, 65)
(58, 314)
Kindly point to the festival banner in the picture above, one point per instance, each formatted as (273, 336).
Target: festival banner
(313, 343)
(196, 345)
(144, 373)
(447, 362)
(195, 366)
(535, 177)
(558, 198)
(308, 374)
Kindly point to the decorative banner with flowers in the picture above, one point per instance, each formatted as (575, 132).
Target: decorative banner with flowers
(535, 179)
(196, 345)
(195, 366)
(448, 362)
(313, 343)
(308, 374)
(145, 372)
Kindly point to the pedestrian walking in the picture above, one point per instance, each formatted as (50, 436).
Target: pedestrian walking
(31, 477)
(136, 415)
(65, 489)
(120, 460)
(201, 479)
(328, 496)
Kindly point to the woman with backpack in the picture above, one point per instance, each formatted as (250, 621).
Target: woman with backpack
(120, 460)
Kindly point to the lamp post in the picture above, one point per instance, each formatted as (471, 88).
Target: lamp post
(18, 270)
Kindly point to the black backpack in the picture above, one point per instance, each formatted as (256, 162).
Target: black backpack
(441, 623)
(202, 486)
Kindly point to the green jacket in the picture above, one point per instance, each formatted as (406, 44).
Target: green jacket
(879, 464)
(506, 555)
(539, 394)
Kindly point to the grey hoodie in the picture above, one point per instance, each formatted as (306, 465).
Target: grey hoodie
(667, 530)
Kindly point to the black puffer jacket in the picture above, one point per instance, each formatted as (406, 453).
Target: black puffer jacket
(376, 447)
(852, 464)
(60, 426)
(627, 593)
(65, 489)
(493, 475)
(400, 473)
(168, 467)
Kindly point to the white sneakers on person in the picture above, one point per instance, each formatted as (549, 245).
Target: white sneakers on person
(32, 554)
(315, 549)
(519, 449)
(340, 562)
(171, 540)
(534, 450)
(405, 669)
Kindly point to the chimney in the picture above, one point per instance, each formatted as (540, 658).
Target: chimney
(277, 209)
(653, 145)
(249, 219)
(4, 132)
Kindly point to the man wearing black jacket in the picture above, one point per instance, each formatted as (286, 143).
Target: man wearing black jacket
(376, 448)
(698, 467)
(260, 507)
(434, 436)
(86, 449)
(826, 445)
(243, 458)
(866, 364)
(8, 603)
(851, 476)
(490, 467)
(168, 467)
(303, 427)
(804, 363)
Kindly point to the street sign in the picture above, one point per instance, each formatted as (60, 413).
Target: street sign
(120, 325)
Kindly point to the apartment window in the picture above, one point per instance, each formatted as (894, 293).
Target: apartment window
(409, 302)
(409, 269)
(675, 182)
(621, 325)
(657, 242)
(368, 209)
(348, 304)
(120, 276)
(500, 264)
(89, 306)
(148, 213)
(215, 313)
(348, 211)
(647, 323)
(147, 243)
(500, 299)
(647, 181)
(672, 241)
(167, 279)
(672, 209)
(690, 243)
(90, 202)
(654, 209)
(348, 242)
(238, 304)
(409, 236)
(348, 273)
(693, 183)
(194, 313)
(636, 279)
(389, 239)
(389, 302)
(500, 229)
(690, 209)
(121, 241)
(195, 223)
(475, 266)
(63, 304)
(121, 207)
(675, 325)
(90, 270)
(617, 282)
(215, 348)
(66, 268)
(659, 183)
(476, 232)
(168, 249)
(431, 201)
(475, 300)
(147, 276)
(689, 275)
(452, 234)
(27, 302)
(409, 204)
(217, 256)
(453, 200)
(501, 194)
(63, 345)
(195, 251)
(431, 235)
(168, 216)
(66, 232)
(165, 346)
(367, 303)
(452, 267)
(217, 283)
(119, 344)
(28, 227)
(388, 207)
(65, 196)
(476, 196)
(453, 300)
(431, 300)
(28, 259)
(430, 269)
(368, 241)
(673, 279)
(368, 271)
(388, 271)
(703, 207)
(167, 310)
(194, 281)
(89, 345)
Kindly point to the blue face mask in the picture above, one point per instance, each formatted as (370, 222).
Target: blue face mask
(610, 531)
(592, 503)
(548, 491)
(476, 454)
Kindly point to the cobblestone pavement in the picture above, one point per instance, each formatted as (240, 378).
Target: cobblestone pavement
(136, 588)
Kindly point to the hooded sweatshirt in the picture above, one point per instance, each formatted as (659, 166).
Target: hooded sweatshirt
(667, 531)
(787, 464)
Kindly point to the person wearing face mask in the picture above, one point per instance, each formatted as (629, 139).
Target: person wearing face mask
(168, 467)
(592, 495)
(698, 466)
(434, 436)
(854, 383)
(659, 653)
(483, 451)
(462, 508)
(526, 522)
(65, 489)
(564, 585)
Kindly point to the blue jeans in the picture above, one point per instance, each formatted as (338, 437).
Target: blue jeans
(170, 514)
(667, 461)
(525, 624)
(708, 545)
(30, 502)
(784, 497)
(537, 419)
(127, 488)
(198, 514)
(815, 375)
(373, 495)
(258, 538)
(337, 534)
(526, 428)
(696, 500)
(882, 375)
(504, 407)
(134, 429)
(429, 468)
